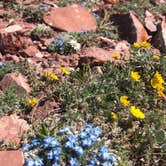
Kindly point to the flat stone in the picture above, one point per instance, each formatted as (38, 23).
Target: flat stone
(11, 158)
(11, 127)
(16, 80)
(71, 19)
(130, 28)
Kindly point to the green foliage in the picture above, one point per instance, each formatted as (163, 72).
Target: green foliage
(87, 96)
(41, 30)
(8, 68)
(11, 102)
(32, 14)
(137, 6)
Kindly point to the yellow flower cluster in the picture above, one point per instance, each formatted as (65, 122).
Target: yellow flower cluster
(51, 75)
(135, 76)
(32, 102)
(124, 101)
(136, 112)
(157, 83)
(144, 44)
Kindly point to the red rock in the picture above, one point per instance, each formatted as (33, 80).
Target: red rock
(70, 18)
(13, 58)
(130, 28)
(150, 22)
(16, 80)
(159, 40)
(11, 158)
(30, 51)
(12, 39)
(111, 1)
(11, 127)
(43, 110)
(158, 2)
(97, 56)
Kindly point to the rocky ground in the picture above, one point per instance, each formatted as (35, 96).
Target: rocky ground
(52, 50)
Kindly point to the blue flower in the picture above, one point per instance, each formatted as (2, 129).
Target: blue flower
(57, 150)
(56, 157)
(103, 149)
(83, 134)
(50, 155)
(65, 130)
(88, 128)
(39, 162)
(60, 43)
(55, 164)
(93, 162)
(97, 131)
(54, 143)
(30, 162)
(93, 137)
(73, 162)
(87, 142)
(114, 159)
(79, 150)
(26, 147)
(69, 144)
(35, 142)
(72, 138)
(1, 64)
(107, 163)
(50, 142)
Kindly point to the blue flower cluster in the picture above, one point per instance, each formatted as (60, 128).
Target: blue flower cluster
(60, 44)
(104, 158)
(73, 146)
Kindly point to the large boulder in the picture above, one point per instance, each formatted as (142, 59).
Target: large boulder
(71, 19)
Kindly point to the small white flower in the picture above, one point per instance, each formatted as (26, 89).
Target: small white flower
(75, 44)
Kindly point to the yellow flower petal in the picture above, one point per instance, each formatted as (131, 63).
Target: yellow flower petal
(32, 102)
(114, 116)
(51, 75)
(136, 45)
(65, 71)
(135, 76)
(136, 112)
(156, 57)
(124, 101)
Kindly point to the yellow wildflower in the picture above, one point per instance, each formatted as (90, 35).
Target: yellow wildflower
(124, 101)
(160, 93)
(32, 102)
(146, 44)
(65, 71)
(51, 75)
(115, 56)
(157, 82)
(156, 57)
(136, 112)
(114, 116)
(135, 76)
(137, 45)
